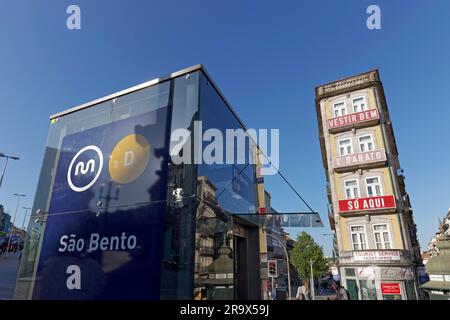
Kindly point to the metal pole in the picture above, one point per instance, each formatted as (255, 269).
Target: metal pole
(14, 220)
(272, 294)
(4, 169)
(2, 155)
(25, 216)
(287, 260)
(312, 280)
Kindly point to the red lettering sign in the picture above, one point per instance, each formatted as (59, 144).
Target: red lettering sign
(349, 119)
(390, 288)
(360, 158)
(371, 203)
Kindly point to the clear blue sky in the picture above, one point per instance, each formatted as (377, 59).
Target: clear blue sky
(267, 57)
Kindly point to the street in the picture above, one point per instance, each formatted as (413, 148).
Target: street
(9, 266)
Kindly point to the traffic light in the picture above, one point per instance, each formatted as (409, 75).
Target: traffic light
(272, 268)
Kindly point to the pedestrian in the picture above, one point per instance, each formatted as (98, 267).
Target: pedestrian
(273, 293)
(303, 292)
(341, 292)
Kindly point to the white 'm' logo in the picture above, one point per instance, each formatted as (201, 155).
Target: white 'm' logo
(85, 168)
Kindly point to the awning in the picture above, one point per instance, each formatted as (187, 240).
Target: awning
(436, 285)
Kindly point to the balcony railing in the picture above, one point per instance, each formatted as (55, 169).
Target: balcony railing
(360, 160)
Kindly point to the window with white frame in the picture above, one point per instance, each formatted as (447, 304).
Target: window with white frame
(374, 187)
(345, 147)
(339, 109)
(359, 104)
(366, 143)
(382, 236)
(358, 234)
(351, 189)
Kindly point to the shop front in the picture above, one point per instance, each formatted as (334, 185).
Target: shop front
(377, 275)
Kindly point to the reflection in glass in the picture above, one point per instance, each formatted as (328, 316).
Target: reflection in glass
(109, 196)
(214, 274)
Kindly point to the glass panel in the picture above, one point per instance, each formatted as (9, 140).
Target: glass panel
(363, 241)
(226, 184)
(410, 291)
(365, 143)
(339, 109)
(111, 263)
(378, 190)
(352, 288)
(214, 267)
(179, 232)
(369, 191)
(350, 272)
(103, 186)
(373, 187)
(372, 180)
(359, 104)
(232, 175)
(368, 291)
(377, 237)
(355, 241)
(351, 189)
(345, 147)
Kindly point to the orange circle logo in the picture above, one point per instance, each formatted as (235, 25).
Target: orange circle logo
(129, 158)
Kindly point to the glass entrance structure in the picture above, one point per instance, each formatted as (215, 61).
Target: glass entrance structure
(117, 216)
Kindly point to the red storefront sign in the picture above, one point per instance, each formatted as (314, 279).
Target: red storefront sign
(371, 203)
(360, 158)
(349, 119)
(390, 288)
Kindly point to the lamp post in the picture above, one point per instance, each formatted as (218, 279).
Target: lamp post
(312, 280)
(14, 220)
(287, 260)
(25, 217)
(2, 155)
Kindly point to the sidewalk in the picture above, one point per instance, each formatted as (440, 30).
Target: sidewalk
(9, 266)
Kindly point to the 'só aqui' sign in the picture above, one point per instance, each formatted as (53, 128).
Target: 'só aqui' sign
(371, 203)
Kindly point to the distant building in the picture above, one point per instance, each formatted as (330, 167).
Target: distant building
(14, 231)
(5, 221)
(438, 265)
(425, 257)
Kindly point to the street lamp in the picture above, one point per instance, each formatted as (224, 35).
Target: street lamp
(25, 216)
(2, 155)
(14, 220)
(312, 280)
(287, 260)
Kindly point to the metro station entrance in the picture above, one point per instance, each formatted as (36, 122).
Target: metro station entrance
(246, 260)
